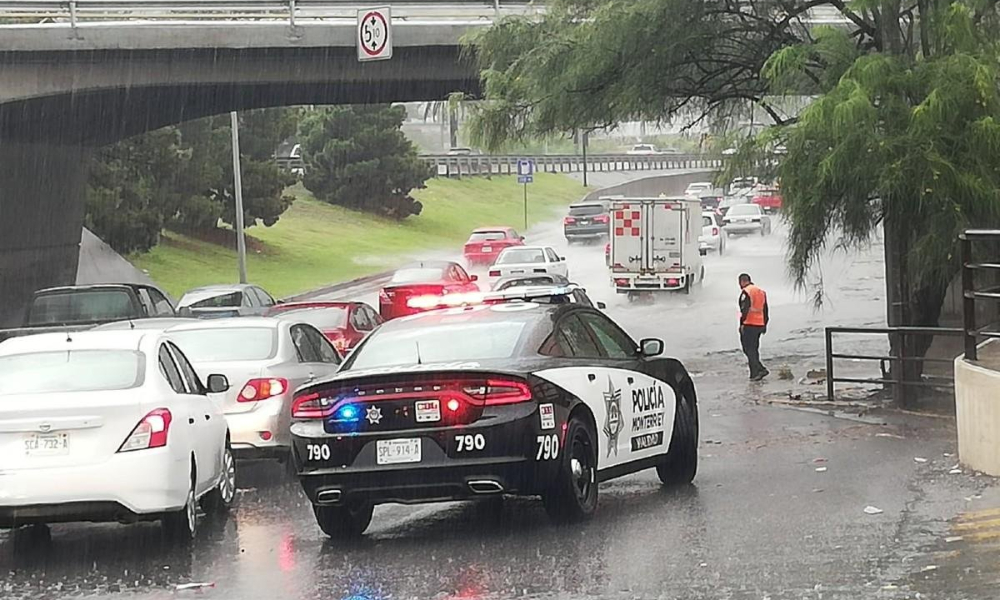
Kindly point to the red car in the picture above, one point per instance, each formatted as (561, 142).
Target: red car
(415, 287)
(345, 324)
(486, 243)
(768, 199)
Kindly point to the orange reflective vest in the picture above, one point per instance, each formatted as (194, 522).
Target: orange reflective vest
(758, 298)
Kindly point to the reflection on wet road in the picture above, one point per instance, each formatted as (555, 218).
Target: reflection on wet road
(761, 521)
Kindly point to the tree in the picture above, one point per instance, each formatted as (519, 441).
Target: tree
(132, 189)
(900, 135)
(358, 157)
(182, 177)
(208, 186)
(452, 112)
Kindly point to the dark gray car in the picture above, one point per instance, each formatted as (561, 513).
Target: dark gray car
(587, 220)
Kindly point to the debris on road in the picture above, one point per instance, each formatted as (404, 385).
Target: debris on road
(873, 510)
(821, 469)
(784, 373)
(819, 460)
(953, 539)
(889, 435)
(919, 459)
(929, 568)
(955, 472)
(814, 377)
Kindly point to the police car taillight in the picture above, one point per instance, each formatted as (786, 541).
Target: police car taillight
(310, 406)
(500, 391)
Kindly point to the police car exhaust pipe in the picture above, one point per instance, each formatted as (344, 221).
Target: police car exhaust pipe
(328, 497)
(485, 486)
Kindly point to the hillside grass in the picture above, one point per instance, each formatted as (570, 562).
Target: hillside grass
(316, 244)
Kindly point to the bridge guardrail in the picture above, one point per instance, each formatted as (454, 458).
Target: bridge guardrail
(473, 165)
(76, 11)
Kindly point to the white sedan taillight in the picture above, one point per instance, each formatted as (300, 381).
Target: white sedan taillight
(151, 432)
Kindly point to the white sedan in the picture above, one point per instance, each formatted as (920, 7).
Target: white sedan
(528, 260)
(110, 426)
(711, 238)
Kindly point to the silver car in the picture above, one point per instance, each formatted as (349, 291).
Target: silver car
(265, 360)
(746, 219)
(217, 301)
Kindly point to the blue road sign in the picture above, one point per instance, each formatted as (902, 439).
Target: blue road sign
(525, 179)
(525, 168)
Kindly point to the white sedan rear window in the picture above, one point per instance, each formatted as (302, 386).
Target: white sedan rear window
(70, 371)
(519, 256)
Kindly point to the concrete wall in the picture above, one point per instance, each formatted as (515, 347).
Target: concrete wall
(977, 408)
(653, 186)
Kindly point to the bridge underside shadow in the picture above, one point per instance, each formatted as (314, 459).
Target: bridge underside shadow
(48, 140)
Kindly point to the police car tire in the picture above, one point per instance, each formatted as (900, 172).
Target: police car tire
(680, 465)
(562, 501)
(344, 522)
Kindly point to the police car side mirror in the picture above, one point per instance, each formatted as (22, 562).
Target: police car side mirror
(650, 347)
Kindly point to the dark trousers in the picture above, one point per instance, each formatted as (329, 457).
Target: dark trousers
(750, 339)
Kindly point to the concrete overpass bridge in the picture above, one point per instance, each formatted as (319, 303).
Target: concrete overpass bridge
(79, 74)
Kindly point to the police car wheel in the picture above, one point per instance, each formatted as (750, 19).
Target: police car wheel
(681, 463)
(342, 522)
(573, 495)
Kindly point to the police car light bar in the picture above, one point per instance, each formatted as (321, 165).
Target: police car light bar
(528, 293)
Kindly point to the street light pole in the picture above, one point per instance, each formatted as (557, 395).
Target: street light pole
(584, 145)
(241, 243)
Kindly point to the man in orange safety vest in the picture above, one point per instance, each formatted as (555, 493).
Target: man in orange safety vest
(753, 324)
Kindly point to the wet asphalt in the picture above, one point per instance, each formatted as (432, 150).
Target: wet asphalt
(777, 509)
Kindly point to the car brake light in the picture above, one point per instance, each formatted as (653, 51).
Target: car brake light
(569, 220)
(150, 432)
(500, 391)
(339, 342)
(383, 295)
(310, 406)
(494, 273)
(715, 231)
(601, 219)
(671, 282)
(256, 390)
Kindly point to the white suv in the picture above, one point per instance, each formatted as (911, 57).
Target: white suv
(711, 238)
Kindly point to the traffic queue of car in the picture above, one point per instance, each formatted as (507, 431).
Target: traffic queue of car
(444, 392)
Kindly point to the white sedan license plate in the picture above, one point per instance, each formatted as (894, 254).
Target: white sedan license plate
(46, 444)
(391, 452)
(487, 248)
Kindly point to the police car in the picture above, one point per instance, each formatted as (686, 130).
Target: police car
(523, 398)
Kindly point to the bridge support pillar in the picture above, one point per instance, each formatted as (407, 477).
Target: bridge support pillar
(42, 188)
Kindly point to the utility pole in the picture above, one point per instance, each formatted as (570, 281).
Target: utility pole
(241, 243)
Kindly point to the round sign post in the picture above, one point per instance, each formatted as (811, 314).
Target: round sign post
(374, 34)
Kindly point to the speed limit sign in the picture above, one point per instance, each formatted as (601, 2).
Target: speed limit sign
(374, 34)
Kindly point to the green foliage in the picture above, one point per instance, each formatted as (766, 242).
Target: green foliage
(183, 177)
(358, 157)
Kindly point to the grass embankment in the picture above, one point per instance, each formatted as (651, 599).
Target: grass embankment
(315, 244)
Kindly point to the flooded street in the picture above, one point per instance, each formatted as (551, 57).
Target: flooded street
(777, 509)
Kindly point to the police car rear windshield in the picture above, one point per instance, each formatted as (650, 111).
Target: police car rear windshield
(439, 343)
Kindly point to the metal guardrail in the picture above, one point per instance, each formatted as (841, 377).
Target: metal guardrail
(970, 294)
(899, 336)
(75, 12)
(482, 165)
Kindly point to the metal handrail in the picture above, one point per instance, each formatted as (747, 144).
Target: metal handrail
(970, 294)
(76, 11)
(898, 333)
(476, 164)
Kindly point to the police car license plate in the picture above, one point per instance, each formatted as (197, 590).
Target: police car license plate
(391, 452)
